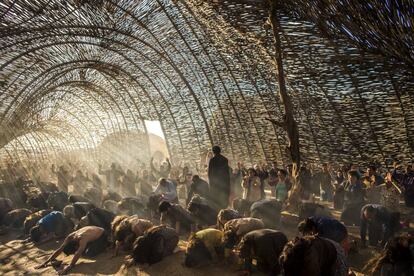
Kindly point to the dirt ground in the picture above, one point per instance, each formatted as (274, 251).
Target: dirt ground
(18, 258)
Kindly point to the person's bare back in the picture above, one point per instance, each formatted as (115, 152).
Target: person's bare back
(87, 234)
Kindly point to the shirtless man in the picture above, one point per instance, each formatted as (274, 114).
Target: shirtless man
(89, 240)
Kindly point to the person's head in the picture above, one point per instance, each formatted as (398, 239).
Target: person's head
(195, 178)
(70, 248)
(164, 206)
(36, 233)
(325, 167)
(216, 150)
(252, 172)
(274, 165)
(307, 227)
(353, 177)
(339, 173)
(144, 173)
(130, 173)
(371, 170)
(369, 213)
(230, 238)
(69, 211)
(162, 182)
(113, 166)
(282, 174)
(141, 249)
(409, 169)
(196, 253)
(84, 221)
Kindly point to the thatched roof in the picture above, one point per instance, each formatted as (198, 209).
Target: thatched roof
(73, 72)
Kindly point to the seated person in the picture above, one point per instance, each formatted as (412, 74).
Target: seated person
(166, 190)
(380, 223)
(312, 256)
(235, 229)
(268, 210)
(157, 243)
(179, 218)
(327, 228)
(53, 223)
(225, 215)
(198, 186)
(89, 241)
(97, 217)
(264, 246)
(309, 209)
(201, 210)
(204, 247)
(127, 229)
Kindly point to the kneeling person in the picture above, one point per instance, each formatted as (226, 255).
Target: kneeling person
(264, 246)
(203, 247)
(89, 240)
(179, 218)
(54, 222)
(157, 243)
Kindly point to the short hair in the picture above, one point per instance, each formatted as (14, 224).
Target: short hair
(354, 173)
(35, 233)
(216, 149)
(284, 172)
(196, 176)
(306, 226)
(71, 247)
(372, 167)
(369, 209)
(252, 170)
(164, 205)
(69, 211)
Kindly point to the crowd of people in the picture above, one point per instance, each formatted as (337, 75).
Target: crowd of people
(222, 211)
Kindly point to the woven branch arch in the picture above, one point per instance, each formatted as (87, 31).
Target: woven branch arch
(206, 71)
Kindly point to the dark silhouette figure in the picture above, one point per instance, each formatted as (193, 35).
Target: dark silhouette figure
(219, 179)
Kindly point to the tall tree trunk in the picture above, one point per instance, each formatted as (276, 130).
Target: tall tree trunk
(288, 123)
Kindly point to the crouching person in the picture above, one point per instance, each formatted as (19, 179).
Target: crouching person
(264, 246)
(380, 223)
(268, 210)
(235, 229)
(225, 215)
(53, 223)
(157, 243)
(328, 228)
(204, 214)
(396, 259)
(178, 217)
(203, 247)
(97, 217)
(126, 230)
(313, 256)
(89, 241)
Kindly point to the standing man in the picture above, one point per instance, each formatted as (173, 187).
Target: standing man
(219, 179)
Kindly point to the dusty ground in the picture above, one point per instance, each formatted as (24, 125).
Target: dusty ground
(18, 258)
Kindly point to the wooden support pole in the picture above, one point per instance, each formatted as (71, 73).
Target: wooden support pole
(289, 124)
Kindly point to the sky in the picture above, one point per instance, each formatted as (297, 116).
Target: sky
(154, 127)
